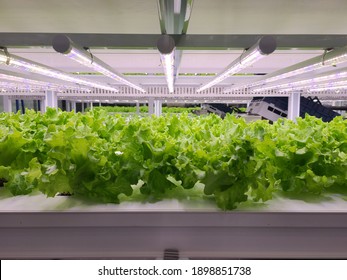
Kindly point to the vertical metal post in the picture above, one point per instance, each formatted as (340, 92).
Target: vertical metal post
(73, 106)
(294, 105)
(157, 107)
(17, 105)
(68, 106)
(35, 105)
(51, 99)
(150, 106)
(7, 103)
(137, 108)
(22, 106)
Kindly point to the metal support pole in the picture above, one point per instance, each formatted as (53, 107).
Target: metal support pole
(22, 106)
(7, 103)
(137, 108)
(150, 106)
(35, 105)
(51, 100)
(68, 106)
(294, 105)
(157, 107)
(17, 105)
(43, 106)
(73, 106)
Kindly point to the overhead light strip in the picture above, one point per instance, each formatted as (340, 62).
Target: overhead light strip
(264, 46)
(177, 6)
(325, 77)
(330, 58)
(27, 65)
(15, 86)
(64, 45)
(166, 48)
(13, 77)
(316, 87)
(329, 87)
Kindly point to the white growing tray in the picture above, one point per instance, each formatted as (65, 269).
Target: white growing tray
(64, 227)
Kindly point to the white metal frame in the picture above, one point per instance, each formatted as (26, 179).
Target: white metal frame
(162, 92)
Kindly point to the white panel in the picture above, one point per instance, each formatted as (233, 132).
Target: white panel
(269, 17)
(87, 16)
(208, 17)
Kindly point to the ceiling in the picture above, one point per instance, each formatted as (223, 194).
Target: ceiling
(208, 17)
(124, 34)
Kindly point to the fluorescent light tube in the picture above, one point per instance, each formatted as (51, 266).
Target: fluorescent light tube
(166, 47)
(24, 79)
(310, 88)
(177, 6)
(64, 45)
(331, 58)
(33, 67)
(325, 77)
(321, 86)
(329, 87)
(265, 46)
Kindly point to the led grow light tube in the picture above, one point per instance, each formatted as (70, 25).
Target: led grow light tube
(7, 86)
(316, 87)
(327, 59)
(8, 76)
(329, 87)
(10, 79)
(265, 46)
(12, 86)
(177, 6)
(323, 86)
(166, 47)
(341, 74)
(37, 68)
(64, 45)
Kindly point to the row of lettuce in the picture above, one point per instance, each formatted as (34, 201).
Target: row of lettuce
(105, 157)
(144, 109)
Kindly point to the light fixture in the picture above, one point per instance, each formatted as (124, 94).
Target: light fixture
(264, 46)
(9, 76)
(64, 45)
(328, 87)
(166, 47)
(11, 86)
(16, 82)
(33, 67)
(329, 58)
(318, 87)
(177, 6)
(304, 83)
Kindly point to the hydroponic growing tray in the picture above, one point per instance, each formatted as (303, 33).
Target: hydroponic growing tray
(64, 227)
